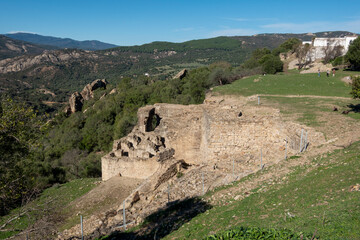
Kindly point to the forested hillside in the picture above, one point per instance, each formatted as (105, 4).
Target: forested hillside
(47, 80)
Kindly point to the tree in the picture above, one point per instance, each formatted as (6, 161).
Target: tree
(291, 44)
(353, 54)
(271, 64)
(355, 87)
(303, 53)
(19, 132)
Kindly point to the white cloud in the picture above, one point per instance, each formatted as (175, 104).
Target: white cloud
(233, 32)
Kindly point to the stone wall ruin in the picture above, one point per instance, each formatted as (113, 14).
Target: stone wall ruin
(217, 132)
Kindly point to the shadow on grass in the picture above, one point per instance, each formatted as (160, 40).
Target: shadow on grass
(354, 108)
(165, 220)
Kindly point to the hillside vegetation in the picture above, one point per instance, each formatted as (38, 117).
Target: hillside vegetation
(160, 59)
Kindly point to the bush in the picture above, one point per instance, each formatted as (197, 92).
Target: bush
(271, 64)
(338, 61)
(355, 87)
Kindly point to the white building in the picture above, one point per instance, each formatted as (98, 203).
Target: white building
(320, 44)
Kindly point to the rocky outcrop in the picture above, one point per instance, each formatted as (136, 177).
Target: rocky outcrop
(181, 74)
(88, 91)
(55, 57)
(77, 99)
(76, 102)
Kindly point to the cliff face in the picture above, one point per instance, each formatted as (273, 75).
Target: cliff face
(216, 133)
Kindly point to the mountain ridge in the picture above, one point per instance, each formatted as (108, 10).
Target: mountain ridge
(90, 45)
(10, 48)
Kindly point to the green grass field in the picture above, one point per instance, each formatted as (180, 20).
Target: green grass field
(316, 197)
(290, 84)
(55, 198)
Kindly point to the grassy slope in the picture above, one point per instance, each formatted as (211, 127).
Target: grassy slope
(317, 195)
(58, 196)
(290, 84)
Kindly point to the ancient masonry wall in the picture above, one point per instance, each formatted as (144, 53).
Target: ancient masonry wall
(214, 133)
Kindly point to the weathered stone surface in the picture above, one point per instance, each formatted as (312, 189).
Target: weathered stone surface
(88, 91)
(76, 102)
(181, 74)
(211, 134)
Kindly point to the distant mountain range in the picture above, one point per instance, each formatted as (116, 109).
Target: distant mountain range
(60, 42)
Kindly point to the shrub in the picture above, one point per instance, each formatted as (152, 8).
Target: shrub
(271, 64)
(355, 87)
(338, 61)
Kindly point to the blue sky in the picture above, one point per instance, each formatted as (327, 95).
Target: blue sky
(134, 22)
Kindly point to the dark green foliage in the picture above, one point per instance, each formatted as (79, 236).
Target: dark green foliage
(258, 233)
(290, 44)
(19, 135)
(220, 43)
(338, 61)
(355, 91)
(264, 59)
(353, 54)
(259, 53)
(271, 64)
